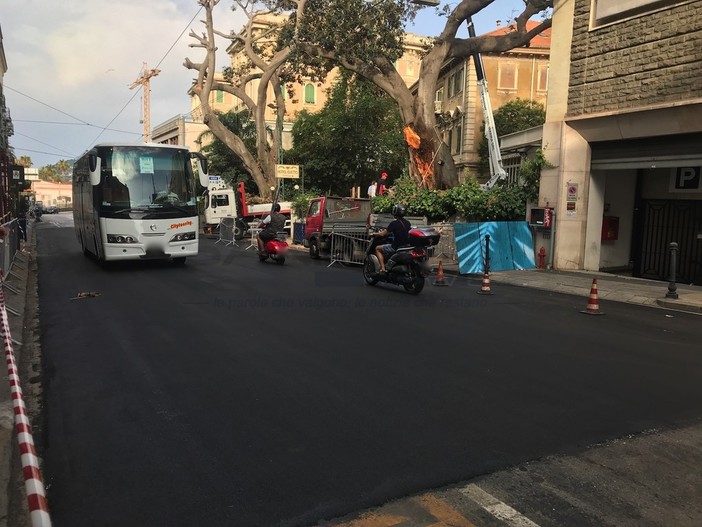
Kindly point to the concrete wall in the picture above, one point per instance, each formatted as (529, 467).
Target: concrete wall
(619, 201)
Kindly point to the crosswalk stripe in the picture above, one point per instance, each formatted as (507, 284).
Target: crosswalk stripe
(497, 508)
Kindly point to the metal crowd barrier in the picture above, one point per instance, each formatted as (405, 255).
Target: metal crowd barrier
(226, 232)
(446, 248)
(348, 247)
(254, 238)
(9, 245)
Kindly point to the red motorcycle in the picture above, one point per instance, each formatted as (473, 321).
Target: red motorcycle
(275, 249)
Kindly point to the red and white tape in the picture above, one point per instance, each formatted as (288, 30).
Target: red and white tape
(33, 482)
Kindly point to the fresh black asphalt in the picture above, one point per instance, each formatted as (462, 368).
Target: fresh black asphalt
(231, 392)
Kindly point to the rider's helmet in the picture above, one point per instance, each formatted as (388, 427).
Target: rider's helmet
(399, 210)
(276, 207)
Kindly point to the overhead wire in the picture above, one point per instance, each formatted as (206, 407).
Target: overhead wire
(83, 122)
(42, 142)
(137, 91)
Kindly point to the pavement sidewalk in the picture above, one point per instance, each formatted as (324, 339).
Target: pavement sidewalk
(610, 287)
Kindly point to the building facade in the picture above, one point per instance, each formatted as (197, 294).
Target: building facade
(521, 73)
(6, 131)
(623, 134)
(51, 193)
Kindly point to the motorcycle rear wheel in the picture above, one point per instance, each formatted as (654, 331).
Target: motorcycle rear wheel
(416, 285)
(369, 272)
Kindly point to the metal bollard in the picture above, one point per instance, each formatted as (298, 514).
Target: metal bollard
(672, 287)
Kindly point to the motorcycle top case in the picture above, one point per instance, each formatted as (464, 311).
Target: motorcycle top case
(423, 236)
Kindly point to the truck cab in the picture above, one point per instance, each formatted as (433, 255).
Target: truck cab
(329, 214)
(220, 203)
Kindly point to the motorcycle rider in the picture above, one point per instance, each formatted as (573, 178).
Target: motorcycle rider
(397, 232)
(270, 227)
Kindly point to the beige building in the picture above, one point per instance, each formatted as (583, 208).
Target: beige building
(180, 130)
(50, 193)
(624, 136)
(519, 73)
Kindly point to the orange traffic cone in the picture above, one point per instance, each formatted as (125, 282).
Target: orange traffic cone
(440, 275)
(593, 305)
(485, 286)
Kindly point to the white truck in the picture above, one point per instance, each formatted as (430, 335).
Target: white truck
(222, 201)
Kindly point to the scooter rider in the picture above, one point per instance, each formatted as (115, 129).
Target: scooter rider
(397, 231)
(270, 227)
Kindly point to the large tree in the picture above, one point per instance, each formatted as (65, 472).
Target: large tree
(264, 65)
(365, 37)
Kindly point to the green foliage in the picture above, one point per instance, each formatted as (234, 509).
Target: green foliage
(466, 201)
(513, 116)
(530, 174)
(357, 135)
(49, 173)
(354, 29)
(301, 202)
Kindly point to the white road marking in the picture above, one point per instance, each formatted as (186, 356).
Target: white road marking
(497, 508)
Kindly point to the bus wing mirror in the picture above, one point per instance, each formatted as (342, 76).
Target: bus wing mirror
(94, 167)
(201, 168)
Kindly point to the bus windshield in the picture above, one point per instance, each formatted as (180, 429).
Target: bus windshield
(147, 179)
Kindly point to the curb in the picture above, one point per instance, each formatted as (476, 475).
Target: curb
(672, 304)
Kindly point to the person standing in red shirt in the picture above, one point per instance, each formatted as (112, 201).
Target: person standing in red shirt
(382, 185)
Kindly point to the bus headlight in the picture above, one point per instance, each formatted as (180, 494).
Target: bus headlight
(183, 236)
(120, 238)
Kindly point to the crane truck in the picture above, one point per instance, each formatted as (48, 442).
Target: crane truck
(497, 170)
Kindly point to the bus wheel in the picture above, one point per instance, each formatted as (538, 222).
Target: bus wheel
(83, 248)
(179, 260)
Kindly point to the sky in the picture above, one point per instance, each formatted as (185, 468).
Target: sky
(71, 64)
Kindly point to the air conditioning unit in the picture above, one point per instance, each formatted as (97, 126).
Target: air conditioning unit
(437, 106)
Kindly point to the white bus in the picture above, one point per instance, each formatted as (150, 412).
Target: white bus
(139, 201)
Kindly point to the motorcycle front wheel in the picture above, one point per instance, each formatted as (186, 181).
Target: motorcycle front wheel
(369, 272)
(417, 284)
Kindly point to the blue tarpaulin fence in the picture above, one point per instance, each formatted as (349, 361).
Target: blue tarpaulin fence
(511, 246)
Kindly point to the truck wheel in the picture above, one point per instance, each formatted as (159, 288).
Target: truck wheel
(240, 228)
(314, 249)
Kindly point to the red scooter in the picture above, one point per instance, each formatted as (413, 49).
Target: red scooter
(275, 249)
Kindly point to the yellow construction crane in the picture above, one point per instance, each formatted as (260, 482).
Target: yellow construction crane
(144, 80)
